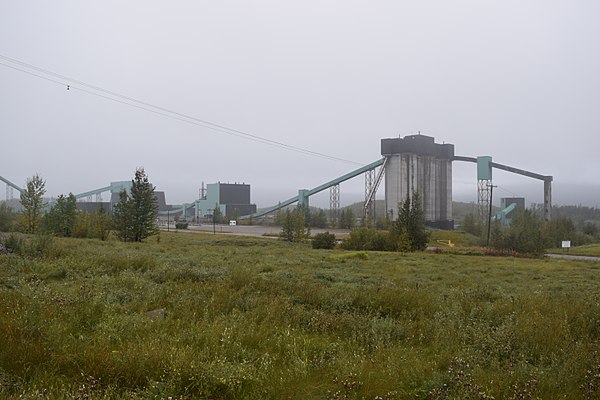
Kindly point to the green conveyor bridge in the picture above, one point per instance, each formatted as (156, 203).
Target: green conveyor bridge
(304, 194)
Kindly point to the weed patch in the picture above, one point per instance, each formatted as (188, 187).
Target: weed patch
(197, 316)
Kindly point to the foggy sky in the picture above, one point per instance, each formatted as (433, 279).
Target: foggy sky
(516, 80)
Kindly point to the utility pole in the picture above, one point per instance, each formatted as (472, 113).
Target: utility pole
(490, 214)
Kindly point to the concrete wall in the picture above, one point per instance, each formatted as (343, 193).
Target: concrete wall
(234, 193)
(229, 196)
(205, 206)
(426, 170)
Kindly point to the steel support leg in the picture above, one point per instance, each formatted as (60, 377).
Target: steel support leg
(334, 204)
(483, 199)
(369, 205)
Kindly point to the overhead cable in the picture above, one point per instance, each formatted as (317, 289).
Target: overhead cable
(98, 91)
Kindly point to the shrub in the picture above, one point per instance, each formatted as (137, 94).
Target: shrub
(369, 239)
(7, 218)
(11, 244)
(181, 225)
(323, 240)
(39, 245)
(360, 255)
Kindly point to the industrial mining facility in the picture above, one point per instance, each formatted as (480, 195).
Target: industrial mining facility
(409, 164)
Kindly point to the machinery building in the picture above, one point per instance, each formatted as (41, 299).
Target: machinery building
(416, 164)
(233, 199)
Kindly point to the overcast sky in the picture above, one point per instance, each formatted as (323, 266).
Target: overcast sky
(514, 79)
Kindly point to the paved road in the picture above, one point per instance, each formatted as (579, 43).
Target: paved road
(571, 257)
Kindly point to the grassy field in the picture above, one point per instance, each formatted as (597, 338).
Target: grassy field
(202, 316)
(591, 250)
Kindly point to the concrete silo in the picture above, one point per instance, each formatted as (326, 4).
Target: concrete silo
(416, 163)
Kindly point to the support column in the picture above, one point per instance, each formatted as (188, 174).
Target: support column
(547, 200)
(369, 205)
(303, 197)
(484, 183)
(483, 199)
(334, 204)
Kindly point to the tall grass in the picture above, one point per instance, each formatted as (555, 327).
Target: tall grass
(202, 316)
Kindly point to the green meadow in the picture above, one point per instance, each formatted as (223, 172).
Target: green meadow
(589, 250)
(197, 316)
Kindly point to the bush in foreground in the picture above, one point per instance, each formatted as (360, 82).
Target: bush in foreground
(323, 240)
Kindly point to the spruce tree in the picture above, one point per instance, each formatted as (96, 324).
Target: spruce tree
(60, 220)
(409, 227)
(135, 216)
(122, 218)
(145, 207)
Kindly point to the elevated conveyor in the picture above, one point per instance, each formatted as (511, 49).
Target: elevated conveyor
(304, 194)
(547, 179)
(12, 185)
(92, 192)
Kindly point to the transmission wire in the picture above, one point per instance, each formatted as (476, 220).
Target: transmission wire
(161, 110)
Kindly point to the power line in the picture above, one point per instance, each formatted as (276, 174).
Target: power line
(508, 191)
(71, 83)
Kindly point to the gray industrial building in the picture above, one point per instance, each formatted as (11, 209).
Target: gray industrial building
(416, 164)
(231, 198)
(115, 189)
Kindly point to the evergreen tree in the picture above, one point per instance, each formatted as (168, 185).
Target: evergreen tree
(409, 227)
(123, 218)
(60, 220)
(135, 216)
(32, 200)
(418, 233)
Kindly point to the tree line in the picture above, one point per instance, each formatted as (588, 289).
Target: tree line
(134, 218)
(529, 233)
(407, 233)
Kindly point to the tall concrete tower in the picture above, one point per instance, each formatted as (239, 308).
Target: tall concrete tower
(416, 163)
